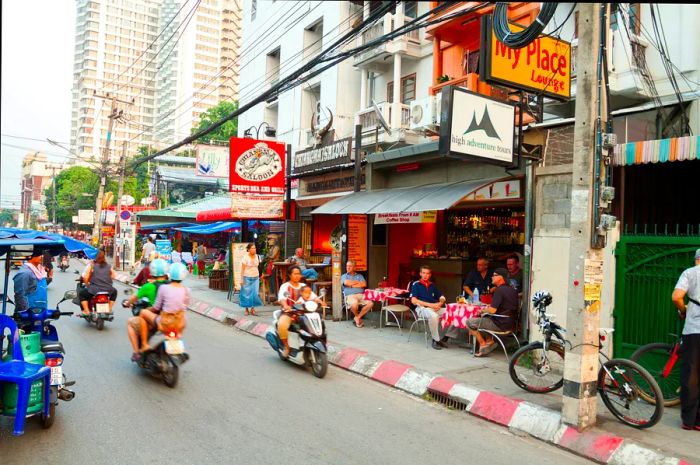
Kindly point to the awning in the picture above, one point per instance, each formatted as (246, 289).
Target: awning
(657, 151)
(11, 237)
(403, 199)
(212, 228)
(165, 226)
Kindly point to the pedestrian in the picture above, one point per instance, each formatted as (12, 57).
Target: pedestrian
(689, 284)
(148, 247)
(201, 260)
(250, 275)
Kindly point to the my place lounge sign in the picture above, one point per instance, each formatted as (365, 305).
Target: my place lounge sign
(543, 66)
(337, 153)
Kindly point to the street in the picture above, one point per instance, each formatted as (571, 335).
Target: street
(236, 402)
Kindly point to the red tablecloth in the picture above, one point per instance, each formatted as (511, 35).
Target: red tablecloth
(458, 314)
(378, 295)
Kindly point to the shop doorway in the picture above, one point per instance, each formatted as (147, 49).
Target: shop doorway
(378, 254)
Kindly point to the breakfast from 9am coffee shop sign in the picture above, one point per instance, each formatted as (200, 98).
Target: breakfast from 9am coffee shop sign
(543, 66)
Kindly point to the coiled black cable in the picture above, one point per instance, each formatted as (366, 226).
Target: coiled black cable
(526, 36)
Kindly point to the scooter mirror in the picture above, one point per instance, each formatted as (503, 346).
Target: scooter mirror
(69, 295)
(322, 293)
(76, 272)
(128, 291)
(287, 294)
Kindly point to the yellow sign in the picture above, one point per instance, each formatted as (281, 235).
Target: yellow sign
(591, 292)
(542, 66)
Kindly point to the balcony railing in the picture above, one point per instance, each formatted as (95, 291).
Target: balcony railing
(369, 119)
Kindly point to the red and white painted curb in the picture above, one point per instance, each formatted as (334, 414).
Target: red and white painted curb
(516, 414)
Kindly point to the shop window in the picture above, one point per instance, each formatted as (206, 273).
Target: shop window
(410, 9)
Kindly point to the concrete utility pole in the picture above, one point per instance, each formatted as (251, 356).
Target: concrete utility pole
(117, 221)
(585, 264)
(113, 115)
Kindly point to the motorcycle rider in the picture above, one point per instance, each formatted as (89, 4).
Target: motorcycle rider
(98, 278)
(63, 260)
(30, 283)
(171, 304)
(158, 275)
(293, 286)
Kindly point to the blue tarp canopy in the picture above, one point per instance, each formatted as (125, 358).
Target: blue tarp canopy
(211, 228)
(54, 243)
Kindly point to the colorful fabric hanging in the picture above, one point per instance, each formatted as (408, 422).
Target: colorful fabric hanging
(657, 151)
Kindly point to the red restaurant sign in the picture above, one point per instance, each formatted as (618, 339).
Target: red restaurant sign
(256, 166)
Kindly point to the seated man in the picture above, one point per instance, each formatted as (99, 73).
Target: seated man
(478, 278)
(515, 273)
(299, 260)
(429, 302)
(354, 285)
(504, 304)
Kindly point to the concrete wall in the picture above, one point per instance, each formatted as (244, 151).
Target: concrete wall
(551, 238)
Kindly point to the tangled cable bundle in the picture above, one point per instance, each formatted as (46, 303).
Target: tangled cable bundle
(529, 34)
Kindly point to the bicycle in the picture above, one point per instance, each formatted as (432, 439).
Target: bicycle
(623, 385)
(661, 360)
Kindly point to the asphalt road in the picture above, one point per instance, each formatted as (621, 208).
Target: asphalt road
(236, 402)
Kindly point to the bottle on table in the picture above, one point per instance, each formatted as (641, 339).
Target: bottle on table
(475, 297)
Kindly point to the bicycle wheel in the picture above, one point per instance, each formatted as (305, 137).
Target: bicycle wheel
(620, 384)
(536, 370)
(654, 357)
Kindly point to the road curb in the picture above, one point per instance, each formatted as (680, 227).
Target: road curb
(515, 414)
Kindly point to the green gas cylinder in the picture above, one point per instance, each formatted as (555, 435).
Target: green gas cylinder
(31, 349)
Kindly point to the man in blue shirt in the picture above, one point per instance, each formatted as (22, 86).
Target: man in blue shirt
(429, 302)
(478, 278)
(354, 285)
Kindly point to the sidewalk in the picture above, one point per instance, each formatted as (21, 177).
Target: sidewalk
(481, 386)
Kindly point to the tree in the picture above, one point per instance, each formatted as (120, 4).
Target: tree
(208, 118)
(8, 218)
(76, 189)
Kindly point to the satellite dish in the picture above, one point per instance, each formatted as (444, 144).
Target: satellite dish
(380, 118)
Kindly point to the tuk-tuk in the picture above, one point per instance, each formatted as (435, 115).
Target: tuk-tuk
(37, 376)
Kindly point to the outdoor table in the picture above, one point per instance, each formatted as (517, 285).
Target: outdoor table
(281, 272)
(457, 314)
(380, 295)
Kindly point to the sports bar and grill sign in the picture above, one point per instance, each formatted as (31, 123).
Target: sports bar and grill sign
(337, 153)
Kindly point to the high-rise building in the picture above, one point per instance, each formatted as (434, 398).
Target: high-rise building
(164, 60)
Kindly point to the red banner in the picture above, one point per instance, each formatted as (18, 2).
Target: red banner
(256, 166)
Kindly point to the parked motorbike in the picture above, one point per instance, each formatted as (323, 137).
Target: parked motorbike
(98, 306)
(64, 264)
(39, 320)
(165, 357)
(307, 336)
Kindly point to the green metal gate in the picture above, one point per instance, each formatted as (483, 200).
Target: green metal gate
(648, 268)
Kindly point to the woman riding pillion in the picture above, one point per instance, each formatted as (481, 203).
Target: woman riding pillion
(98, 278)
(293, 287)
(171, 304)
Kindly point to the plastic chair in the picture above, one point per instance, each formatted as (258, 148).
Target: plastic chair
(23, 374)
(395, 309)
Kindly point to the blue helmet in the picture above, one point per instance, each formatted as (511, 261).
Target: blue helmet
(178, 272)
(158, 267)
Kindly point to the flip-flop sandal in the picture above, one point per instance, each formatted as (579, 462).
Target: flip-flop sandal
(254, 313)
(247, 312)
(485, 350)
(356, 324)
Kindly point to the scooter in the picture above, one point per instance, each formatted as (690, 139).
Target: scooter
(39, 320)
(98, 306)
(64, 264)
(164, 358)
(307, 336)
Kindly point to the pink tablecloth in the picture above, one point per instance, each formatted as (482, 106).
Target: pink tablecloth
(458, 314)
(378, 295)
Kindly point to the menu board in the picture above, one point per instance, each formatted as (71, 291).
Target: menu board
(357, 241)
(238, 252)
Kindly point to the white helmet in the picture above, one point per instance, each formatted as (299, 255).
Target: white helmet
(178, 272)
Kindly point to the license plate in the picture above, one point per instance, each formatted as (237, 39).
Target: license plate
(56, 376)
(102, 308)
(174, 346)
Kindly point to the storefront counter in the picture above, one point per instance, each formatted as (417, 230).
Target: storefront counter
(449, 273)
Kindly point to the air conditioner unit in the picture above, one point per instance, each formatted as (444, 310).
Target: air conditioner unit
(425, 113)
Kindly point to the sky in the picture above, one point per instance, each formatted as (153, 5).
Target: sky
(37, 78)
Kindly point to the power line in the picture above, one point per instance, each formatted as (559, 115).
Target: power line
(28, 138)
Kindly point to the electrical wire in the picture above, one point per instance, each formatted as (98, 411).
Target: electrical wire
(271, 92)
(521, 39)
(147, 48)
